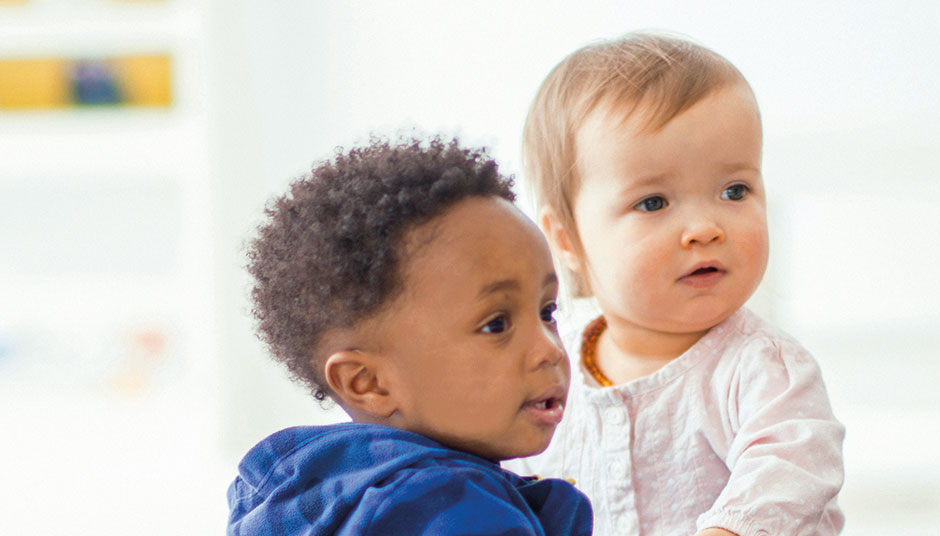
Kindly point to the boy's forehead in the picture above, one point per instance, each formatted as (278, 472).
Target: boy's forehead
(463, 220)
(472, 227)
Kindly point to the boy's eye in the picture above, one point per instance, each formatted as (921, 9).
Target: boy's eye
(548, 313)
(651, 204)
(735, 192)
(497, 324)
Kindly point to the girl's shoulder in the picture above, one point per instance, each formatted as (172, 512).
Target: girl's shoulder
(751, 348)
(761, 354)
(751, 334)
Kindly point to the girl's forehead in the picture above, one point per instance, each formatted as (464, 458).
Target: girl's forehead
(719, 133)
(652, 111)
(644, 120)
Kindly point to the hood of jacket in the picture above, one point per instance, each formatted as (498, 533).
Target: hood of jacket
(309, 479)
(369, 479)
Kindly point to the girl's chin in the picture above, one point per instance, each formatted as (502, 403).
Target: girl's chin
(700, 319)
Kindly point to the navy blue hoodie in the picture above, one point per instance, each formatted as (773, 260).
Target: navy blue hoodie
(367, 479)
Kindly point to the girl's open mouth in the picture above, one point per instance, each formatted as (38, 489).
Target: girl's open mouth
(704, 276)
(701, 271)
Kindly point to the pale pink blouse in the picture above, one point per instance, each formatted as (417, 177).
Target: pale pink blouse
(736, 433)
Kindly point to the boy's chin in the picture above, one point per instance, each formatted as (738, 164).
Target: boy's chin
(497, 450)
(501, 453)
(526, 452)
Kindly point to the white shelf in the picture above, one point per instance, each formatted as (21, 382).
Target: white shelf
(105, 143)
(106, 210)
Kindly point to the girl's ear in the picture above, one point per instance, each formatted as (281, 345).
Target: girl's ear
(560, 239)
(355, 378)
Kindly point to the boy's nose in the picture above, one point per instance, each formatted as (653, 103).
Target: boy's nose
(702, 231)
(547, 349)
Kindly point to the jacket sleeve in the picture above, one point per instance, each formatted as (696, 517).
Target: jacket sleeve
(443, 501)
(786, 456)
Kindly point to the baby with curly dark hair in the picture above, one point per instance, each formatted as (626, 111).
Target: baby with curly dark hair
(400, 280)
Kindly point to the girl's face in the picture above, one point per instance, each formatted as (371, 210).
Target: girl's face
(673, 222)
(473, 354)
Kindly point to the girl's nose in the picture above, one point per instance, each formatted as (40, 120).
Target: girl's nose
(702, 231)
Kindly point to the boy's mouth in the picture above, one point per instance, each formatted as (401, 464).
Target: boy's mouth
(548, 408)
(551, 403)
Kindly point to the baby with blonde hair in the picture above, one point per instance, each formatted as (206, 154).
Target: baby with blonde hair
(688, 414)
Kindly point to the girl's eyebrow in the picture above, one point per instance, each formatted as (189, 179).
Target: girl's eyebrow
(645, 181)
(734, 167)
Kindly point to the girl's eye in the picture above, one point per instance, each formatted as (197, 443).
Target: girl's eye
(496, 325)
(548, 313)
(651, 204)
(735, 192)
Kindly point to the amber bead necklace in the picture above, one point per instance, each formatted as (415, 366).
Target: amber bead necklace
(589, 350)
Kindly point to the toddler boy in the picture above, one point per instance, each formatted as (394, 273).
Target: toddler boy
(400, 281)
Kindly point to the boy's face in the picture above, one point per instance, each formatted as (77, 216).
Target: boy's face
(673, 222)
(472, 348)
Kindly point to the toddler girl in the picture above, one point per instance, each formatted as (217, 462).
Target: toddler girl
(688, 414)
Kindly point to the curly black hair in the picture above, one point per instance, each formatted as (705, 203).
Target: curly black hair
(328, 253)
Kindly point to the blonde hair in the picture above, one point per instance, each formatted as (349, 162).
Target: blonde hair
(664, 75)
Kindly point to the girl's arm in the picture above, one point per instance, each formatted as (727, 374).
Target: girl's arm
(786, 455)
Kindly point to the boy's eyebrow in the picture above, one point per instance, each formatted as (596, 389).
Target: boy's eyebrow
(505, 285)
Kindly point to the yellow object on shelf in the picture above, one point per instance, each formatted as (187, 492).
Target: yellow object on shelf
(40, 83)
(145, 80)
(48, 83)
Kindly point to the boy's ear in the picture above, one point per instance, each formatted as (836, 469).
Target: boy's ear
(355, 377)
(559, 238)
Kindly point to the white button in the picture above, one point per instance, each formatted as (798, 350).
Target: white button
(617, 469)
(614, 416)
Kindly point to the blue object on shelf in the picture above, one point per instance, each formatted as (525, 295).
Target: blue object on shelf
(94, 82)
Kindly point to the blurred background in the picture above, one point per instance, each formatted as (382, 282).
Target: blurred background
(139, 141)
